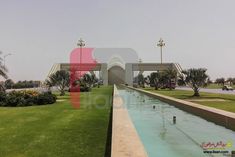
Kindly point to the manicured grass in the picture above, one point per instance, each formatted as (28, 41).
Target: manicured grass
(57, 130)
(216, 86)
(228, 104)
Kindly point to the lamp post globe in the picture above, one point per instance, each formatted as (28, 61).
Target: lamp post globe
(161, 44)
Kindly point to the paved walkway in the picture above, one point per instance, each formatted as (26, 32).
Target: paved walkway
(125, 140)
(217, 91)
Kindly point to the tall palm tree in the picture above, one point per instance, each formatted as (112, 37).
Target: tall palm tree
(3, 72)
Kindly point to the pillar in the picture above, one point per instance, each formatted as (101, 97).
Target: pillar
(129, 74)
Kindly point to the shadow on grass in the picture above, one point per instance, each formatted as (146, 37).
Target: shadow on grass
(109, 135)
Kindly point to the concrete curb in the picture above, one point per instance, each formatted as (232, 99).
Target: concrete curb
(125, 139)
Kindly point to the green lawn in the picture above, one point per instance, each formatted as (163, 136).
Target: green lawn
(57, 130)
(220, 101)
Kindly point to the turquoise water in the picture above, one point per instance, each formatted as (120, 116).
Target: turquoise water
(162, 138)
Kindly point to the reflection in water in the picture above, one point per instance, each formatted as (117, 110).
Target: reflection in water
(164, 130)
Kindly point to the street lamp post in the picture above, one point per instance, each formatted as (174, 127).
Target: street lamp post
(161, 44)
(81, 44)
(4, 59)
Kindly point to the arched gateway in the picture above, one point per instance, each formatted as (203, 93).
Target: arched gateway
(117, 72)
(116, 75)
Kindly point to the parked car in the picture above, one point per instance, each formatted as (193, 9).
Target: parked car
(226, 87)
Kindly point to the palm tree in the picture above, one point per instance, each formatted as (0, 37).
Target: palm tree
(48, 84)
(85, 83)
(94, 79)
(163, 80)
(181, 81)
(59, 79)
(195, 78)
(209, 81)
(170, 75)
(3, 73)
(233, 80)
(141, 80)
(230, 81)
(9, 84)
(88, 81)
(154, 79)
(220, 81)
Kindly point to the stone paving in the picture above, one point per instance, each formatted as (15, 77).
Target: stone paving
(125, 139)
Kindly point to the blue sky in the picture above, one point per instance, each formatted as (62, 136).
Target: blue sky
(40, 33)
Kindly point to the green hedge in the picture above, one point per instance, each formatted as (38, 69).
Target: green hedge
(26, 98)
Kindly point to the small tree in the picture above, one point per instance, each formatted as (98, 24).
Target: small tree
(181, 80)
(86, 82)
(94, 79)
(170, 75)
(3, 73)
(87, 79)
(209, 81)
(195, 78)
(48, 84)
(59, 79)
(233, 80)
(163, 79)
(230, 81)
(141, 80)
(154, 79)
(220, 81)
(9, 84)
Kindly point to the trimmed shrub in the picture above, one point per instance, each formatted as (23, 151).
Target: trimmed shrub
(2, 98)
(26, 98)
(45, 98)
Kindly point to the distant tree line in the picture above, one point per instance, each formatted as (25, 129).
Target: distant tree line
(10, 84)
(194, 78)
(222, 81)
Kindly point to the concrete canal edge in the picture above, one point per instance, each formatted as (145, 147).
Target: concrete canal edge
(125, 139)
(220, 117)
